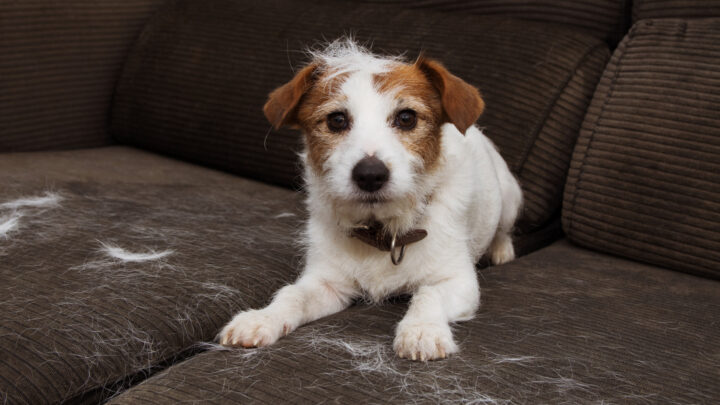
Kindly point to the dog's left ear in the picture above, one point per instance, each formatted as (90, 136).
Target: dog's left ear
(282, 104)
(462, 104)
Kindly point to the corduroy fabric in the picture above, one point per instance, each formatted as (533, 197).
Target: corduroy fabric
(59, 63)
(562, 325)
(642, 9)
(195, 83)
(608, 19)
(75, 319)
(547, 158)
(644, 181)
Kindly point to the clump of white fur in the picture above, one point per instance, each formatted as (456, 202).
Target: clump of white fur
(123, 255)
(9, 223)
(346, 358)
(48, 200)
(24, 206)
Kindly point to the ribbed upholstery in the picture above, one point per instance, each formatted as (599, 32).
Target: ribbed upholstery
(560, 326)
(642, 9)
(75, 320)
(604, 18)
(195, 84)
(645, 176)
(59, 62)
(546, 160)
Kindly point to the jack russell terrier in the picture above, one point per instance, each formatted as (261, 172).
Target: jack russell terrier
(404, 195)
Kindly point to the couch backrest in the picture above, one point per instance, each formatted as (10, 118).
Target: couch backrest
(643, 9)
(644, 181)
(59, 62)
(606, 19)
(195, 84)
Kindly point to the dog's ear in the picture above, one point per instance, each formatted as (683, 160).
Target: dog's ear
(281, 107)
(461, 102)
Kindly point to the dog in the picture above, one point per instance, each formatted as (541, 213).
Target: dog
(404, 196)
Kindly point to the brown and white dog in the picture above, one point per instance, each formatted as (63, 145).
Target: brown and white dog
(404, 196)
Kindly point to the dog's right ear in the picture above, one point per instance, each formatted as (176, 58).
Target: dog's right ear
(281, 107)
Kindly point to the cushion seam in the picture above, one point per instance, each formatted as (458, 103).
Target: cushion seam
(542, 121)
(608, 96)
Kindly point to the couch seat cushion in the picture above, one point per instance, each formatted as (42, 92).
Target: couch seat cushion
(198, 245)
(196, 81)
(75, 317)
(561, 325)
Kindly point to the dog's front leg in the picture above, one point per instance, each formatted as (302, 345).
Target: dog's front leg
(424, 333)
(310, 298)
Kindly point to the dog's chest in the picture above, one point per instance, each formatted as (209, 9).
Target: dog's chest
(376, 275)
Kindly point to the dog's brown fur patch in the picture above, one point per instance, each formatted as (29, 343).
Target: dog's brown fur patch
(411, 85)
(312, 118)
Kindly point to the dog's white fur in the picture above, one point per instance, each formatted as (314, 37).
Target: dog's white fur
(468, 204)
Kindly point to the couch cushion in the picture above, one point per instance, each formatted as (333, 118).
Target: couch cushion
(606, 19)
(59, 62)
(198, 77)
(80, 322)
(675, 9)
(562, 325)
(645, 176)
(76, 316)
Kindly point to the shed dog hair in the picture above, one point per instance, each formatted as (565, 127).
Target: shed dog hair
(391, 153)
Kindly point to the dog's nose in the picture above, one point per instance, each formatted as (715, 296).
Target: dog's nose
(370, 174)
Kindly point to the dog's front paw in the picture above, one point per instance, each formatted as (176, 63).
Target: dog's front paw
(254, 328)
(424, 341)
(502, 250)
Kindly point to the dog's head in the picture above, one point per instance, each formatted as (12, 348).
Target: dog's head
(372, 127)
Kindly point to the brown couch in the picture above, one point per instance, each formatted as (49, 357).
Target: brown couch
(137, 125)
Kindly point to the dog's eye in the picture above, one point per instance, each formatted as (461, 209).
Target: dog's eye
(406, 120)
(337, 121)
